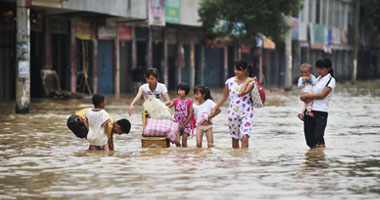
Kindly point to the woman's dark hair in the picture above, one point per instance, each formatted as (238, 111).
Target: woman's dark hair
(124, 124)
(152, 71)
(97, 99)
(242, 65)
(203, 90)
(184, 86)
(325, 63)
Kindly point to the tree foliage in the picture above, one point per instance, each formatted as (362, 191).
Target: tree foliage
(370, 20)
(246, 20)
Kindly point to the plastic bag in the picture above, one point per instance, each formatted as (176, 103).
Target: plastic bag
(156, 109)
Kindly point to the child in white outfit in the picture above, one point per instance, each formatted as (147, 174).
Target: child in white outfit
(306, 83)
(202, 114)
(96, 121)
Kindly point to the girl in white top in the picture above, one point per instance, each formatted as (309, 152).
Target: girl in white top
(151, 89)
(96, 121)
(202, 114)
(314, 127)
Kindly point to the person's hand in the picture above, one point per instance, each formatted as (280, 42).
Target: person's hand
(306, 78)
(167, 103)
(303, 97)
(130, 110)
(250, 79)
(213, 111)
(181, 128)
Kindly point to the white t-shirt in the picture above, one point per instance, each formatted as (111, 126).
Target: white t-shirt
(323, 104)
(96, 121)
(205, 107)
(158, 92)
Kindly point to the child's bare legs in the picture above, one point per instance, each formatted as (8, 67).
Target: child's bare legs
(235, 143)
(245, 142)
(93, 148)
(106, 147)
(98, 148)
(177, 139)
(199, 137)
(308, 108)
(210, 138)
(184, 140)
(300, 114)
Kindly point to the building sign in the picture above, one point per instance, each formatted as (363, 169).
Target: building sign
(317, 36)
(23, 53)
(124, 32)
(336, 35)
(172, 11)
(84, 31)
(343, 36)
(295, 30)
(268, 44)
(157, 12)
(105, 33)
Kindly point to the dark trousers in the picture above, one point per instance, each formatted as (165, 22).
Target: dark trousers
(314, 128)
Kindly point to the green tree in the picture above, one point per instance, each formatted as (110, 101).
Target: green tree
(246, 20)
(370, 20)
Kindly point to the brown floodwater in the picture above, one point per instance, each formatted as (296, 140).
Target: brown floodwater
(41, 159)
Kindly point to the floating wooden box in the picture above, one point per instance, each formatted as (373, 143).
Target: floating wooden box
(155, 142)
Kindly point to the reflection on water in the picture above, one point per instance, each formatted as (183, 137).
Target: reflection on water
(41, 158)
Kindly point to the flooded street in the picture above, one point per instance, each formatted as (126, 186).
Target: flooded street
(41, 158)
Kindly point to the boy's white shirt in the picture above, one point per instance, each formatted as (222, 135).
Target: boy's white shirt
(96, 121)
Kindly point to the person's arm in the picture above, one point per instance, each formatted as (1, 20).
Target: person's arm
(246, 87)
(135, 100)
(171, 104)
(167, 99)
(85, 122)
(191, 113)
(106, 128)
(301, 82)
(221, 101)
(321, 95)
(214, 114)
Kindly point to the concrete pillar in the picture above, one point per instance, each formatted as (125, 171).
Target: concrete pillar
(288, 57)
(73, 56)
(47, 44)
(116, 64)
(180, 55)
(23, 57)
(95, 65)
(225, 62)
(192, 63)
(134, 53)
(203, 64)
(150, 48)
(166, 68)
(356, 41)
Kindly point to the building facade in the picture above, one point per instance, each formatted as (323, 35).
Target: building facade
(98, 47)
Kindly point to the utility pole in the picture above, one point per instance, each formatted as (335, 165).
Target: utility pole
(356, 41)
(23, 57)
(288, 56)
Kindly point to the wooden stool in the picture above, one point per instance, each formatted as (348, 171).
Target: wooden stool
(155, 142)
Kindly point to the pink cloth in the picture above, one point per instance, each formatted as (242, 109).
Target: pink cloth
(161, 128)
(203, 118)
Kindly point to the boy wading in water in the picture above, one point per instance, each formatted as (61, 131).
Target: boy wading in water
(96, 121)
